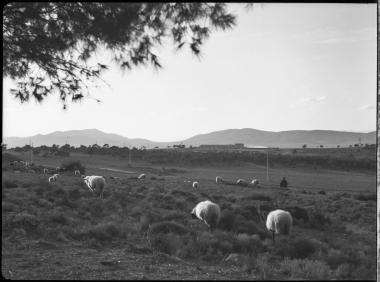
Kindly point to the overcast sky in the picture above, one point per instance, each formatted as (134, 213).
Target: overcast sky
(283, 67)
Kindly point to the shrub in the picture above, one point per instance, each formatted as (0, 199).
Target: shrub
(58, 217)
(7, 157)
(74, 165)
(104, 231)
(298, 249)
(168, 227)
(168, 243)
(305, 269)
(9, 207)
(318, 220)
(366, 197)
(259, 197)
(26, 221)
(74, 193)
(298, 213)
(248, 244)
(9, 184)
(227, 220)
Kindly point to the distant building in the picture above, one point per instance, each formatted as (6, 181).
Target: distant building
(223, 147)
(179, 146)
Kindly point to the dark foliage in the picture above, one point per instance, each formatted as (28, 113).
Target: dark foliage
(74, 165)
(46, 45)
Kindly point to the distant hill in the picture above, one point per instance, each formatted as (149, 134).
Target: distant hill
(282, 139)
(250, 137)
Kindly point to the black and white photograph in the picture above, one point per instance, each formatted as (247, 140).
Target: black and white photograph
(190, 141)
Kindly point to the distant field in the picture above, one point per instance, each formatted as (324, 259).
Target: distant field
(61, 231)
(298, 178)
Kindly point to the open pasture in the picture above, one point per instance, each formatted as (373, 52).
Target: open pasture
(142, 229)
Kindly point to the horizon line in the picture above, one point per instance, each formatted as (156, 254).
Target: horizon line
(58, 131)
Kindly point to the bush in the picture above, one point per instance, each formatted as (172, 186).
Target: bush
(9, 184)
(298, 213)
(168, 227)
(318, 220)
(298, 249)
(248, 244)
(104, 231)
(74, 193)
(58, 217)
(74, 165)
(26, 221)
(227, 220)
(168, 243)
(9, 207)
(366, 197)
(305, 269)
(259, 197)
(7, 157)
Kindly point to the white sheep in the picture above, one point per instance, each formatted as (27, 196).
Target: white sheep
(142, 176)
(53, 178)
(195, 184)
(218, 180)
(255, 183)
(77, 172)
(241, 182)
(279, 222)
(95, 182)
(208, 212)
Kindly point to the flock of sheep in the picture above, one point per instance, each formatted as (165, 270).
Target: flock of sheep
(277, 221)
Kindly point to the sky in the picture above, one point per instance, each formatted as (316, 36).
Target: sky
(282, 67)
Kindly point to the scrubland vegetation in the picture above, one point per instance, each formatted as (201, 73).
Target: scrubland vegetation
(333, 235)
(356, 158)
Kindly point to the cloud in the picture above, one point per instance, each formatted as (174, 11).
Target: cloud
(367, 107)
(307, 101)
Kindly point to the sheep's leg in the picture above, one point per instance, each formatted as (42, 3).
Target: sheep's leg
(273, 236)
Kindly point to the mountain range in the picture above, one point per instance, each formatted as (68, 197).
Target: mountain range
(250, 137)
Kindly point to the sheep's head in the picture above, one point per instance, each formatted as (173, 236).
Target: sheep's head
(193, 215)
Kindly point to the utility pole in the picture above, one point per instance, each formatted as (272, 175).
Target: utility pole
(129, 158)
(31, 152)
(267, 166)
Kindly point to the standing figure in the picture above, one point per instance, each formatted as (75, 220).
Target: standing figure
(284, 183)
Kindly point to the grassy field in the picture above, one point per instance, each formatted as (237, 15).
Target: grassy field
(143, 229)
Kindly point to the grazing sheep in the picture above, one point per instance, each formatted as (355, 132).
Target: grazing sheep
(208, 212)
(218, 180)
(279, 222)
(46, 171)
(77, 172)
(195, 184)
(95, 182)
(142, 176)
(241, 182)
(53, 178)
(255, 183)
